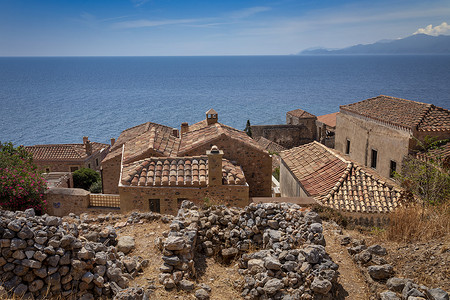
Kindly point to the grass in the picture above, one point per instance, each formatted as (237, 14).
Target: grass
(417, 223)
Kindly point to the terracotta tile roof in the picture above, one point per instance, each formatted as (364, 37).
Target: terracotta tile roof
(198, 125)
(177, 171)
(145, 137)
(193, 139)
(329, 119)
(440, 154)
(299, 113)
(339, 183)
(402, 112)
(316, 168)
(63, 152)
(269, 145)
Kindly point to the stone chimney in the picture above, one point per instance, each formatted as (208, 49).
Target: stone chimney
(175, 132)
(184, 128)
(88, 147)
(113, 141)
(85, 139)
(212, 116)
(214, 166)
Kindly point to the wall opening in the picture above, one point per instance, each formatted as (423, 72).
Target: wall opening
(154, 205)
(393, 168)
(373, 163)
(347, 147)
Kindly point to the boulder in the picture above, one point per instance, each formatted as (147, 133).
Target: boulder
(381, 272)
(125, 244)
(321, 286)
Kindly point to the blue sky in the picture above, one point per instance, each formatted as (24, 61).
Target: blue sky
(182, 27)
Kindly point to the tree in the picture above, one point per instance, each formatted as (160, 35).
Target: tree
(21, 185)
(84, 178)
(424, 175)
(248, 129)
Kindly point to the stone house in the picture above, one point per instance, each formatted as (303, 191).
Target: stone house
(160, 184)
(314, 170)
(379, 132)
(69, 157)
(326, 129)
(150, 140)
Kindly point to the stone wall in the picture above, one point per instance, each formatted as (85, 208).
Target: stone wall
(111, 175)
(63, 201)
(43, 257)
(57, 166)
(256, 163)
(288, 136)
(170, 198)
(365, 134)
(289, 185)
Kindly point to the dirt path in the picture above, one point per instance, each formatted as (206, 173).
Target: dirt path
(353, 284)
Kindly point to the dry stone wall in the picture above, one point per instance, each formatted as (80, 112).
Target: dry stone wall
(44, 257)
(291, 262)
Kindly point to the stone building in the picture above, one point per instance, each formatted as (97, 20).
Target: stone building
(69, 157)
(150, 140)
(326, 129)
(379, 132)
(160, 184)
(314, 170)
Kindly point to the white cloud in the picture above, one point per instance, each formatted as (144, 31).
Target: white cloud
(138, 3)
(436, 30)
(247, 12)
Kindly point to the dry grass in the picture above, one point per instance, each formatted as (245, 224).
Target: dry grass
(417, 223)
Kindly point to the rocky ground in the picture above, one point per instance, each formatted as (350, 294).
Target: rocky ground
(423, 264)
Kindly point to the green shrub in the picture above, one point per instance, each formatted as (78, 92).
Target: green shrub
(21, 185)
(96, 187)
(84, 178)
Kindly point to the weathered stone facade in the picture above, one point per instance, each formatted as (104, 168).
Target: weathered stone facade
(287, 136)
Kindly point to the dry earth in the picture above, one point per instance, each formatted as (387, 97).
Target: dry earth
(425, 263)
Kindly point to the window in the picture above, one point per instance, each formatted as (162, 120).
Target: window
(96, 162)
(373, 164)
(153, 204)
(89, 166)
(347, 148)
(47, 170)
(73, 169)
(393, 168)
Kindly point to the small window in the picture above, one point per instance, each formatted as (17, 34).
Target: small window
(47, 170)
(89, 166)
(154, 205)
(374, 159)
(96, 162)
(347, 148)
(73, 169)
(393, 168)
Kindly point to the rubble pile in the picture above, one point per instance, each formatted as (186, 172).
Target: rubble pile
(291, 261)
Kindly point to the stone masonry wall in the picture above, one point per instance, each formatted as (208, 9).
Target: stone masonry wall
(170, 198)
(111, 175)
(288, 136)
(256, 164)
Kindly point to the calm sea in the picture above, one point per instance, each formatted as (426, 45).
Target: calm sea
(59, 100)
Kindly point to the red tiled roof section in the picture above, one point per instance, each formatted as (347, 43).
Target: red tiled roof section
(437, 119)
(300, 113)
(143, 137)
(315, 167)
(198, 125)
(177, 171)
(63, 151)
(396, 111)
(329, 119)
(269, 145)
(197, 138)
(362, 191)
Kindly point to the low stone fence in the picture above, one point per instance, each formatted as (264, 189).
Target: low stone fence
(291, 262)
(63, 201)
(43, 257)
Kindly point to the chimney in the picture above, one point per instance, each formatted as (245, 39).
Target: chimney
(113, 141)
(214, 166)
(212, 117)
(85, 139)
(184, 128)
(88, 147)
(175, 132)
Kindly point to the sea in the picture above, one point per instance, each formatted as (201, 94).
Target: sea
(46, 100)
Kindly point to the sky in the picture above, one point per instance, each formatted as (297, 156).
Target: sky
(229, 27)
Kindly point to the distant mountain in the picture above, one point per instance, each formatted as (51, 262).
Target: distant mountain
(414, 44)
